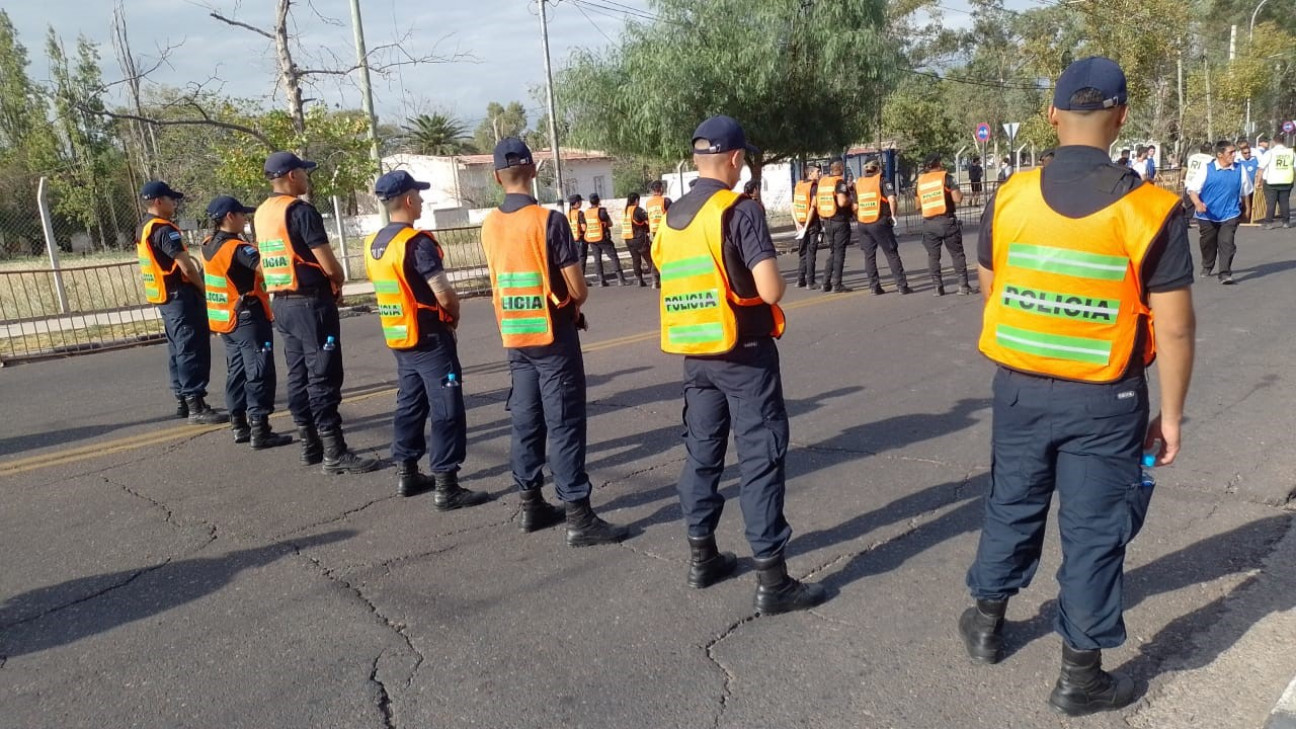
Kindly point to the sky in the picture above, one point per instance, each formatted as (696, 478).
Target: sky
(497, 43)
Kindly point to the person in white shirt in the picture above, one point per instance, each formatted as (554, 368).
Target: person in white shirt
(1278, 168)
(1139, 163)
(1262, 150)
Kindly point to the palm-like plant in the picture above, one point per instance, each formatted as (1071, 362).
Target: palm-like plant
(436, 134)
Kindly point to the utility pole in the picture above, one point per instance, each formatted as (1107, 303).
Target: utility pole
(362, 60)
(1179, 142)
(549, 88)
(1210, 126)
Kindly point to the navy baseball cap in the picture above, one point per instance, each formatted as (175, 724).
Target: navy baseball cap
(574, 199)
(157, 188)
(1095, 72)
(281, 163)
(722, 134)
(224, 205)
(512, 147)
(397, 183)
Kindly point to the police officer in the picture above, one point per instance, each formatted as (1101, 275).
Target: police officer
(419, 312)
(239, 308)
(598, 233)
(833, 203)
(173, 281)
(809, 227)
(577, 222)
(938, 197)
(656, 206)
(634, 231)
(716, 241)
(1075, 260)
(875, 203)
(306, 280)
(538, 288)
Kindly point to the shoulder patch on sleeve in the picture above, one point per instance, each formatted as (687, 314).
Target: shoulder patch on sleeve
(173, 235)
(250, 250)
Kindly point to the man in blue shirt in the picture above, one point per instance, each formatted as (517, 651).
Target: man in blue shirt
(1250, 165)
(1217, 197)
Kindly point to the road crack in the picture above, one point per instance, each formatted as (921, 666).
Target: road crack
(709, 649)
(384, 698)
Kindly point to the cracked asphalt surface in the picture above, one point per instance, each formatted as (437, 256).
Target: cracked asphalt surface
(157, 575)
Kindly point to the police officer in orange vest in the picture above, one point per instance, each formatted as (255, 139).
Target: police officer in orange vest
(720, 291)
(657, 205)
(173, 281)
(597, 225)
(306, 280)
(419, 312)
(938, 198)
(1076, 260)
(577, 222)
(809, 226)
(538, 287)
(875, 211)
(239, 308)
(833, 204)
(634, 230)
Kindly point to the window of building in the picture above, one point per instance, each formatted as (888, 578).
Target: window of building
(600, 185)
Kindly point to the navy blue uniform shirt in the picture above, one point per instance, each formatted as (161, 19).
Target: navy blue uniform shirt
(306, 232)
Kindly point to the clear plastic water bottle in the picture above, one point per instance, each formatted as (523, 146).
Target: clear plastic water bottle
(1148, 463)
(452, 380)
(330, 344)
(267, 348)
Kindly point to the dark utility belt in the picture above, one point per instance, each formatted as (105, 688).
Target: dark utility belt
(306, 292)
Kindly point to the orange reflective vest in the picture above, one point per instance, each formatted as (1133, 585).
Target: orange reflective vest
(593, 225)
(150, 270)
(801, 202)
(868, 195)
(398, 307)
(1067, 299)
(279, 259)
(223, 297)
(826, 199)
(628, 223)
(577, 226)
(698, 303)
(931, 193)
(518, 260)
(656, 208)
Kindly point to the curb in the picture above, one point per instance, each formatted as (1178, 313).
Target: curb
(1284, 712)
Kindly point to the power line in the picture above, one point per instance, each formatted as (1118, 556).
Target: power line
(591, 20)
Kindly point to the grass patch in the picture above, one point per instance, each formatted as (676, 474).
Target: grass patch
(68, 341)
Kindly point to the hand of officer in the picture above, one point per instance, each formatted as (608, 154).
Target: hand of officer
(581, 324)
(1168, 436)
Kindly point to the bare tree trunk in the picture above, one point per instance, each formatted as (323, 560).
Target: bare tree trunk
(289, 74)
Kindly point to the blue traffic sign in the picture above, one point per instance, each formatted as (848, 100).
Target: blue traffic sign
(1289, 127)
(983, 132)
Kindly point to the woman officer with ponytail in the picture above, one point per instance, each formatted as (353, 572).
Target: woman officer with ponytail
(239, 309)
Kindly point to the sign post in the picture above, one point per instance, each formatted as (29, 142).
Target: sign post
(1010, 129)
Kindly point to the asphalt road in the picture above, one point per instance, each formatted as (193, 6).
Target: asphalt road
(157, 575)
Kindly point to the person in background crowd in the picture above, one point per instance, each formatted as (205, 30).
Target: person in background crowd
(751, 190)
(938, 198)
(834, 207)
(634, 231)
(976, 180)
(875, 204)
(1151, 163)
(1250, 165)
(1277, 170)
(1217, 198)
(576, 219)
(1005, 169)
(598, 233)
(805, 214)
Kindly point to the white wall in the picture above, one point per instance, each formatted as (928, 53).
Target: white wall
(776, 186)
(582, 177)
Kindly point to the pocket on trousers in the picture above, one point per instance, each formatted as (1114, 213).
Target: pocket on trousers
(1137, 500)
(1115, 404)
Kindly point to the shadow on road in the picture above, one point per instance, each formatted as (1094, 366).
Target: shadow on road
(53, 616)
(1264, 269)
(28, 441)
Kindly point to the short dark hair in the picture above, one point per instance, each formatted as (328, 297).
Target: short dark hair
(1206, 149)
(594, 199)
(1222, 146)
(632, 198)
(655, 186)
(976, 159)
(750, 187)
(1125, 152)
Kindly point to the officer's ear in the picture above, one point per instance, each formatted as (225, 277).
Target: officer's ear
(498, 181)
(1052, 116)
(736, 159)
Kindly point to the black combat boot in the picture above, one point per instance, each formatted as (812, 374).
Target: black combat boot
(182, 408)
(242, 431)
(1084, 688)
(338, 458)
(200, 413)
(777, 592)
(263, 436)
(982, 629)
(410, 482)
(312, 451)
(707, 564)
(450, 495)
(537, 513)
(966, 290)
(585, 528)
(940, 290)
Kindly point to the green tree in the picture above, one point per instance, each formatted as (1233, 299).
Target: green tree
(803, 78)
(26, 139)
(500, 122)
(435, 134)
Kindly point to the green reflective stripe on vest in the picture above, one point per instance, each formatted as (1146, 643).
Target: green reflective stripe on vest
(145, 262)
(1056, 346)
(272, 246)
(213, 281)
(694, 333)
(218, 314)
(278, 279)
(535, 325)
(396, 333)
(1063, 306)
(1067, 262)
(697, 266)
(386, 287)
(519, 280)
(151, 291)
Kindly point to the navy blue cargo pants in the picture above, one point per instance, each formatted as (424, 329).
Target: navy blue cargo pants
(184, 316)
(1084, 441)
(547, 402)
(426, 388)
(314, 369)
(881, 234)
(249, 363)
(742, 391)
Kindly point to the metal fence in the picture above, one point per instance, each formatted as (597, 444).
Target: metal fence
(464, 259)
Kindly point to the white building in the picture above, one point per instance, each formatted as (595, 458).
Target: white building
(776, 185)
